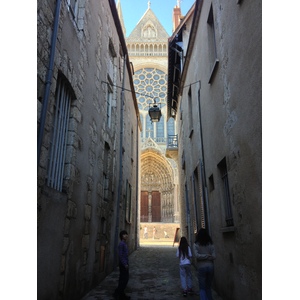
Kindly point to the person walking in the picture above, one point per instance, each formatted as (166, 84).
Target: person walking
(123, 267)
(184, 254)
(204, 251)
(145, 232)
(154, 232)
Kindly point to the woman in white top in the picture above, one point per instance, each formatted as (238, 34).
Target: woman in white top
(184, 254)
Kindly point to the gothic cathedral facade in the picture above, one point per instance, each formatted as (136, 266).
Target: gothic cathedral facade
(147, 46)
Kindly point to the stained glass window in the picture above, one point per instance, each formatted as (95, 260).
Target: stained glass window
(150, 84)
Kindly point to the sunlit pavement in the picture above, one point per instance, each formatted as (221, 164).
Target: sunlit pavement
(153, 274)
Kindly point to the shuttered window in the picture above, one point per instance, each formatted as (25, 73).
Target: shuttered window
(58, 144)
(106, 163)
(108, 105)
(128, 201)
(73, 5)
(212, 46)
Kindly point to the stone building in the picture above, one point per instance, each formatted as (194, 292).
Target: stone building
(88, 146)
(214, 94)
(148, 51)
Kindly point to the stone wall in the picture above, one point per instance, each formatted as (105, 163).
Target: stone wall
(78, 227)
(219, 122)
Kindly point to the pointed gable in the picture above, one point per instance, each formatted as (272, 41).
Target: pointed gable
(148, 29)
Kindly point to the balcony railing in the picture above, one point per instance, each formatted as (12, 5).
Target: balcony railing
(158, 140)
(173, 141)
(145, 53)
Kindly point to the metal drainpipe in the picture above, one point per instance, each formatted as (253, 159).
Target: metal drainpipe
(202, 148)
(48, 81)
(137, 184)
(188, 215)
(120, 167)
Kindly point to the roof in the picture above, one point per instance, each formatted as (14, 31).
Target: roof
(148, 20)
(176, 62)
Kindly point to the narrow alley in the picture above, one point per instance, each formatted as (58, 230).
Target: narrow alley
(154, 274)
(149, 121)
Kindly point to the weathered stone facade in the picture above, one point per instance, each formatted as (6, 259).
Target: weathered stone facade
(83, 206)
(216, 99)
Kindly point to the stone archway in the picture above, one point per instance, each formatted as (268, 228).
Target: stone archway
(157, 185)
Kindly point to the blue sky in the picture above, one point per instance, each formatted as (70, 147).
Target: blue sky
(133, 10)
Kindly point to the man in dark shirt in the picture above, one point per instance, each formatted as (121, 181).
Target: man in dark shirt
(123, 266)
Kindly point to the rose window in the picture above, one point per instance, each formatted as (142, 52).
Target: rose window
(150, 83)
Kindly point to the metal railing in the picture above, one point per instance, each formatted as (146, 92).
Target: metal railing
(158, 140)
(173, 141)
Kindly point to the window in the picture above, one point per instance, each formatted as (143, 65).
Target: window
(190, 108)
(108, 104)
(76, 8)
(160, 129)
(150, 83)
(128, 202)
(171, 126)
(105, 186)
(212, 47)
(196, 197)
(211, 183)
(111, 79)
(58, 144)
(183, 161)
(73, 5)
(227, 203)
(131, 144)
(111, 61)
(106, 172)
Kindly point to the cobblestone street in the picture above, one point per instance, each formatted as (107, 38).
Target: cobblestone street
(154, 274)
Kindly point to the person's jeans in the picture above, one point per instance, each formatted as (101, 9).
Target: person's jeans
(123, 279)
(205, 278)
(185, 276)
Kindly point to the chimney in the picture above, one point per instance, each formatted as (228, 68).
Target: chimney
(176, 16)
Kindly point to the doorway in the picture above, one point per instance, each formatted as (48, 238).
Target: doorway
(150, 206)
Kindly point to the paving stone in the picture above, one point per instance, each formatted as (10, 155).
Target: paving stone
(153, 275)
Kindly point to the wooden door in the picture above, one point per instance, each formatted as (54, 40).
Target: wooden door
(144, 206)
(156, 210)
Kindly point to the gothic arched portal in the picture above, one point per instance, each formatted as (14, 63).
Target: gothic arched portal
(158, 190)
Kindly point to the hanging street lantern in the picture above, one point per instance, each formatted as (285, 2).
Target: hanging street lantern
(154, 112)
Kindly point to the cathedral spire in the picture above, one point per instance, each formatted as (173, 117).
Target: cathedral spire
(149, 4)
